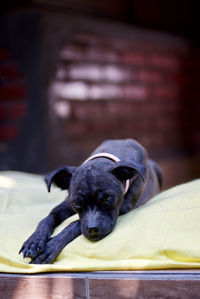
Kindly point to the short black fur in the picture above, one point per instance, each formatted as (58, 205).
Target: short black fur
(96, 193)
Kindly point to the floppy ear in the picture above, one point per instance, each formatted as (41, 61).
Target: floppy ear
(125, 170)
(60, 177)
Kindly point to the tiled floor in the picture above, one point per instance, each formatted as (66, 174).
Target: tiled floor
(94, 285)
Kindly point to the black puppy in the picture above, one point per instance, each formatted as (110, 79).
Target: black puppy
(115, 179)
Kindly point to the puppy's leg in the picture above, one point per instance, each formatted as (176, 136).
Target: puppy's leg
(128, 205)
(57, 243)
(132, 196)
(36, 243)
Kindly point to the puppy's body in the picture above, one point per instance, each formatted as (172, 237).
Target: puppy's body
(97, 192)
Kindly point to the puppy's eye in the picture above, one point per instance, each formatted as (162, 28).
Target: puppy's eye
(77, 207)
(77, 203)
(107, 200)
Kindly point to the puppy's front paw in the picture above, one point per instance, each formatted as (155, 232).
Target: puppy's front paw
(34, 246)
(49, 254)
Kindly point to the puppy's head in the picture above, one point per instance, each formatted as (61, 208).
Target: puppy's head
(96, 194)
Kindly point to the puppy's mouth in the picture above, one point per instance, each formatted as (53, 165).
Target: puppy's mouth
(94, 238)
(94, 235)
(94, 231)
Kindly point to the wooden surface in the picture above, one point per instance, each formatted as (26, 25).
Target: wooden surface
(116, 285)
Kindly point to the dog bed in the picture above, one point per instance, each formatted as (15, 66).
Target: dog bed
(162, 234)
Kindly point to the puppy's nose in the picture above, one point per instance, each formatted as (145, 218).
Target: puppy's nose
(93, 231)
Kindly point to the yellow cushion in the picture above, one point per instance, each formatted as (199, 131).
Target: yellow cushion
(162, 234)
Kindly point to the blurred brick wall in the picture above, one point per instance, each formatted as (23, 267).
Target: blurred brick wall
(13, 102)
(117, 88)
(96, 80)
(22, 105)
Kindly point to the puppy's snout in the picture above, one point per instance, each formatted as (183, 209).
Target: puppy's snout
(93, 231)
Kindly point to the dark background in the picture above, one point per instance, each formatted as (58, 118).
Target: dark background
(130, 68)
